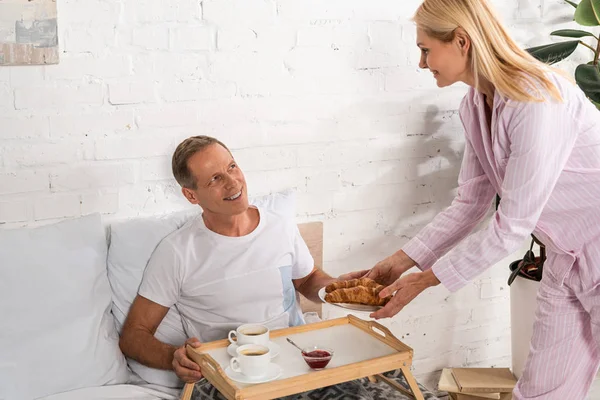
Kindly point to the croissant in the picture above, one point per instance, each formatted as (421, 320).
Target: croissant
(358, 295)
(366, 282)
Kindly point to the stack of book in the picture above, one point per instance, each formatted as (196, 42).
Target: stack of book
(477, 383)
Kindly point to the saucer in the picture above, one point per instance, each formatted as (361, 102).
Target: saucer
(273, 347)
(273, 372)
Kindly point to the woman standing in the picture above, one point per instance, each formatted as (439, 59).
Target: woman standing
(533, 138)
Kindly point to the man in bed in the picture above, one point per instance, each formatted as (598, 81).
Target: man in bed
(234, 264)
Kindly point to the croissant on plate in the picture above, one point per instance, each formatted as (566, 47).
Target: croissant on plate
(366, 282)
(357, 295)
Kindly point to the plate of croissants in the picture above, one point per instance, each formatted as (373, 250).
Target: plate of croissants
(355, 294)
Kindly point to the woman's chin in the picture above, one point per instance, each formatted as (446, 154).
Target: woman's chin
(442, 82)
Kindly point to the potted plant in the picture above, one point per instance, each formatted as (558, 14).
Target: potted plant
(587, 76)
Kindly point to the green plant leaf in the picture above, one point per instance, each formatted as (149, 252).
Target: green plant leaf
(571, 3)
(586, 13)
(588, 78)
(572, 33)
(555, 52)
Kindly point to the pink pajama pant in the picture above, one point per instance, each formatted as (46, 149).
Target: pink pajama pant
(565, 348)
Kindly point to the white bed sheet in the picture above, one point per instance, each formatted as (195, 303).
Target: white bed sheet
(118, 392)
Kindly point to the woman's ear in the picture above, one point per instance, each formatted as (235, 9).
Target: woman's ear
(463, 40)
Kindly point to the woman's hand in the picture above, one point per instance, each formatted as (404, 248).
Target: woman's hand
(407, 288)
(386, 271)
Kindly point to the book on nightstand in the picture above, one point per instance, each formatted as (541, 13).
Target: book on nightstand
(477, 383)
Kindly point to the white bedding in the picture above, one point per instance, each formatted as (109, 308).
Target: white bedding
(118, 392)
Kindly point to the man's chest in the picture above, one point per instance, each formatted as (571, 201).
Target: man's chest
(234, 277)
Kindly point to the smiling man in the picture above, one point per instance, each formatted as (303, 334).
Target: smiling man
(235, 263)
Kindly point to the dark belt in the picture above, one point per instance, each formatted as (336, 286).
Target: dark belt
(529, 266)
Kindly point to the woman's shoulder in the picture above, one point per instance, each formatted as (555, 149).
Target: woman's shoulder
(565, 86)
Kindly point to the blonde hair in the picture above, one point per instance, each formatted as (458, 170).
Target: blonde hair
(184, 151)
(494, 54)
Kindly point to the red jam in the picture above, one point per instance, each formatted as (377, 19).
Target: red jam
(317, 359)
(317, 354)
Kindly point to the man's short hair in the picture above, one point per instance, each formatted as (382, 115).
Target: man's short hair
(184, 151)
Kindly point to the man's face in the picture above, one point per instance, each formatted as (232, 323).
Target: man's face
(220, 183)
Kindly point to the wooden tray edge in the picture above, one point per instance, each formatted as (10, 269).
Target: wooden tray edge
(327, 377)
(387, 337)
(270, 390)
(213, 372)
(217, 344)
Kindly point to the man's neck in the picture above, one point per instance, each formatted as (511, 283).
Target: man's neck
(232, 225)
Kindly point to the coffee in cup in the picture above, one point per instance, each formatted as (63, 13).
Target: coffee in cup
(250, 334)
(252, 353)
(252, 360)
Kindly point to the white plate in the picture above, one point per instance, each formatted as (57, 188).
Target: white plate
(273, 347)
(273, 372)
(353, 307)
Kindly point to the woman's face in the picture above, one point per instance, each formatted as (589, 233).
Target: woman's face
(449, 62)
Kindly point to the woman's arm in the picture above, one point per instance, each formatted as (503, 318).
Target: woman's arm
(542, 137)
(474, 198)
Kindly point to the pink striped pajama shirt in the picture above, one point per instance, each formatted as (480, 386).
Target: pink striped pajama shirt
(543, 159)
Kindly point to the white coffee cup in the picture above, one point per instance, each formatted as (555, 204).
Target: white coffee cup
(250, 334)
(252, 360)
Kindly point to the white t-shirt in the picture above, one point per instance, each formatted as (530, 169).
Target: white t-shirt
(219, 282)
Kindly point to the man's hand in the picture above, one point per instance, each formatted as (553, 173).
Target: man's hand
(186, 369)
(407, 288)
(309, 285)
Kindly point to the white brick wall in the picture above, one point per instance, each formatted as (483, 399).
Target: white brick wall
(323, 96)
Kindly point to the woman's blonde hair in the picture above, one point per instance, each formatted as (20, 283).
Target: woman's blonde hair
(494, 54)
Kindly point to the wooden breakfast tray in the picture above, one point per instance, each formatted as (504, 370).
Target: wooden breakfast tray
(361, 349)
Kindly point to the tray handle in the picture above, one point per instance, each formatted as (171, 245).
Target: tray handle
(207, 364)
(213, 372)
(380, 332)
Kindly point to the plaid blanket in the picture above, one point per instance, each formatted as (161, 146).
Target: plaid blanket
(360, 389)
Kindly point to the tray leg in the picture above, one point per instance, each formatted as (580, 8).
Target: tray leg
(412, 383)
(188, 389)
(395, 385)
(414, 391)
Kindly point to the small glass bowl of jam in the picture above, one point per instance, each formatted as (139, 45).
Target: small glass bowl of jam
(317, 357)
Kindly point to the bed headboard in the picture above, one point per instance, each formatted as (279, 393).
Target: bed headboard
(312, 233)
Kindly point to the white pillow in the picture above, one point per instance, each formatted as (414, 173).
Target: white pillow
(56, 332)
(132, 243)
(131, 246)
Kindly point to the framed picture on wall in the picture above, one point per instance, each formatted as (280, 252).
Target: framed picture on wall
(28, 32)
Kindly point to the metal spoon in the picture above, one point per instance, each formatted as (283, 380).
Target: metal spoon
(295, 345)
